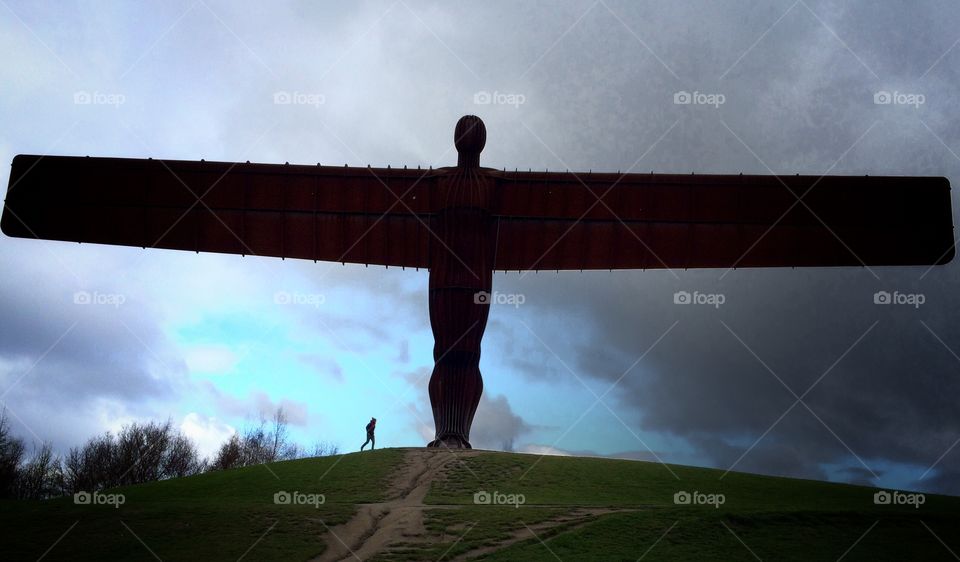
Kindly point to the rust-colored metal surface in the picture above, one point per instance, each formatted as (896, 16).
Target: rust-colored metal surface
(464, 222)
(641, 221)
(356, 215)
(460, 274)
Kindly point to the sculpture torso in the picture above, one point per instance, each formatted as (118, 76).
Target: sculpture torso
(461, 276)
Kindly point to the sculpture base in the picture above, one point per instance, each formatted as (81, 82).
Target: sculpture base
(450, 442)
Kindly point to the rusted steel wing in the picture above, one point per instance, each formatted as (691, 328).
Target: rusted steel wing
(357, 215)
(555, 221)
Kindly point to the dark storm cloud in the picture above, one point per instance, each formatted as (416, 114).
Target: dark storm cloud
(859, 476)
(599, 79)
(801, 100)
(76, 354)
(890, 397)
(496, 426)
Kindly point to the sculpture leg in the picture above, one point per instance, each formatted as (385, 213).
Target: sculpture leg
(458, 321)
(456, 384)
(455, 390)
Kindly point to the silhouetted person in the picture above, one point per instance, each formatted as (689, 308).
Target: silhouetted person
(371, 427)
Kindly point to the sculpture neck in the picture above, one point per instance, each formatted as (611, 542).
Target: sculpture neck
(468, 160)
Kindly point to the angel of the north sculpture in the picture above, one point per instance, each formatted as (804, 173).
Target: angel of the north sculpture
(463, 222)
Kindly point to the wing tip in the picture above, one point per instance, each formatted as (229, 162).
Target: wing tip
(948, 256)
(20, 158)
(9, 224)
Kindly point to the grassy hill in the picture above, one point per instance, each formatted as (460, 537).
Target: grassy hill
(563, 508)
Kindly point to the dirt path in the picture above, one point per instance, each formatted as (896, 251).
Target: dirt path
(399, 520)
(573, 519)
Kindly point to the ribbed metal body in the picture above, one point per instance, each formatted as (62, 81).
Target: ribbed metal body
(461, 276)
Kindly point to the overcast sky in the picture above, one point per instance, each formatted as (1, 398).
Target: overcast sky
(797, 372)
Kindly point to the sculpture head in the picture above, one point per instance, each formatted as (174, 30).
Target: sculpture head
(469, 136)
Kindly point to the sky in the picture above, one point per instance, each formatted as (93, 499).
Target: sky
(796, 373)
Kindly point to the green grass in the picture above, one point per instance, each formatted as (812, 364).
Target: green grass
(225, 515)
(607, 482)
(676, 535)
(215, 516)
(776, 518)
(458, 531)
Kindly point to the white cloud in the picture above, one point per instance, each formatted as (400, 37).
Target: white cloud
(112, 415)
(535, 449)
(426, 431)
(211, 359)
(208, 433)
(495, 425)
(258, 403)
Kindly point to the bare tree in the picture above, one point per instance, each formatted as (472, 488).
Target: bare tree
(11, 455)
(266, 442)
(140, 450)
(256, 447)
(292, 451)
(230, 455)
(139, 453)
(181, 458)
(279, 434)
(325, 449)
(91, 466)
(42, 476)
(260, 443)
